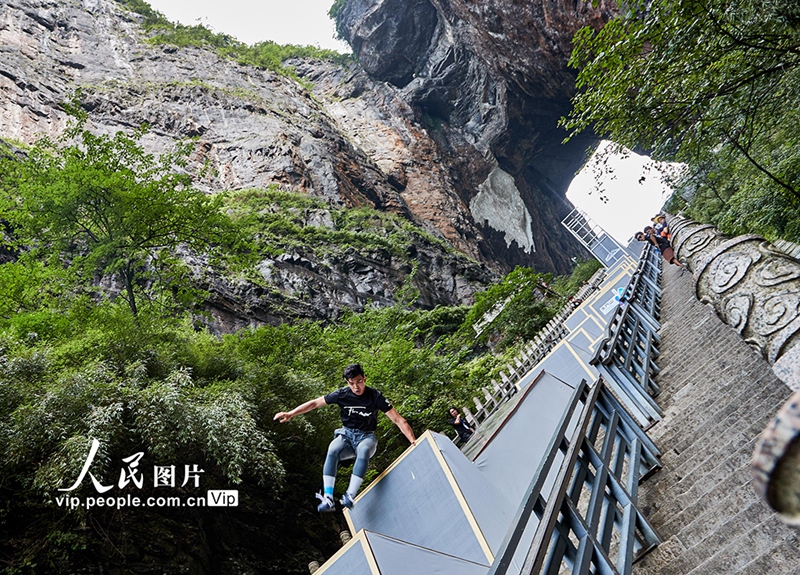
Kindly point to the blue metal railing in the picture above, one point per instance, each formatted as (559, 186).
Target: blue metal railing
(588, 521)
(627, 356)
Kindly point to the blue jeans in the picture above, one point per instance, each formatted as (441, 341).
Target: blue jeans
(348, 443)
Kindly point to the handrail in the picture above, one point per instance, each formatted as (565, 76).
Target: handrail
(626, 355)
(538, 551)
(532, 500)
(625, 450)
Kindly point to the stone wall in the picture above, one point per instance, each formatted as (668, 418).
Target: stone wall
(718, 393)
(755, 288)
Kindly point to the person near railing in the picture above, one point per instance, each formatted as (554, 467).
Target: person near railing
(462, 428)
(359, 406)
(662, 243)
(660, 226)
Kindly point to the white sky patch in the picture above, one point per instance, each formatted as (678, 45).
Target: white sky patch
(620, 192)
(304, 22)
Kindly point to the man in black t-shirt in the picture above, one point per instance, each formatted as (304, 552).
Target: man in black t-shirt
(463, 429)
(358, 408)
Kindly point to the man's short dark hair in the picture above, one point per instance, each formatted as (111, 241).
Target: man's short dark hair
(353, 370)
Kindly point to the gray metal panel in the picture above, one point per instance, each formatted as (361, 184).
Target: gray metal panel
(415, 502)
(580, 340)
(562, 364)
(592, 324)
(491, 509)
(512, 455)
(607, 249)
(526, 379)
(399, 558)
(351, 562)
(635, 248)
(577, 317)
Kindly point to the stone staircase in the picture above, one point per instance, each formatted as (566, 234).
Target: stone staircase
(717, 394)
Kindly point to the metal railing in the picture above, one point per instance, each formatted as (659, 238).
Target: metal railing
(531, 354)
(627, 356)
(646, 288)
(588, 522)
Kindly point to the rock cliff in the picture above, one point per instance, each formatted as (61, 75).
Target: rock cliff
(490, 81)
(448, 120)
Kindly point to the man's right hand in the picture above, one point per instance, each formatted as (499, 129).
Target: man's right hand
(282, 416)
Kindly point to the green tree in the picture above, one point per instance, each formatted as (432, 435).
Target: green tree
(107, 207)
(711, 83)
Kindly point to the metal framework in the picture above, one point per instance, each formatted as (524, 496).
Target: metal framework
(588, 522)
(604, 247)
(627, 357)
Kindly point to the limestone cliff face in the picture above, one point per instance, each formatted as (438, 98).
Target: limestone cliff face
(448, 120)
(253, 128)
(491, 80)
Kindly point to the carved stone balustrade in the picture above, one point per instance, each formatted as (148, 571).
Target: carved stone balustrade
(752, 286)
(755, 289)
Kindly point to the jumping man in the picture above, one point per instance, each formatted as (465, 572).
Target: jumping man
(358, 405)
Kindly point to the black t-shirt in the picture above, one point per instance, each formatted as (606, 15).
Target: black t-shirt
(462, 428)
(661, 242)
(359, 411)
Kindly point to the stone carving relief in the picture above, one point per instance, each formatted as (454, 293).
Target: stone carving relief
(696, 240)
(737, 309)
(728, 270)
(779, 268)
(776, 311)
(753, 287)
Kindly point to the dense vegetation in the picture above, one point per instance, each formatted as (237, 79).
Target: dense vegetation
(267, 55)
(110, 209)
(277, 221)
(710, 83)
(101, 338)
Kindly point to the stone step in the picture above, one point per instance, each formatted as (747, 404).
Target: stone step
(741, 421)
(717, 396)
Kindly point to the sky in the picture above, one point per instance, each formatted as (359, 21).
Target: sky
(629, 204)
(303, 22)
(620, 192)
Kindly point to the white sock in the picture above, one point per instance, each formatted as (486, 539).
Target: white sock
(355, 483)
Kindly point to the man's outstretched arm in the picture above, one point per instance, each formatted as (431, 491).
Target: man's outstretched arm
(400, 422)
(311, 405)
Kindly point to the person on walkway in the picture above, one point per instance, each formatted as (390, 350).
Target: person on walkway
(662, 243)
(660, 226)
(358, 409)
(463, 429)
